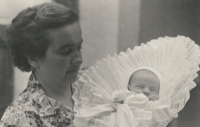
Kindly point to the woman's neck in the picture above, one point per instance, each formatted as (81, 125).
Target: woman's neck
(57, 91)
(64, 96)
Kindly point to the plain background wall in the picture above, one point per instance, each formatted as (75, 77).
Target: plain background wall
(99, 23)
(160, 18)
(129, 24)
(10, 8)
(108, 27)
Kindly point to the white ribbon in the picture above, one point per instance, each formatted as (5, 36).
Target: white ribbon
(123, 103)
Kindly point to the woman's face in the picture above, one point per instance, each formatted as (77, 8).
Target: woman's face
(144, 81)
(63, 57)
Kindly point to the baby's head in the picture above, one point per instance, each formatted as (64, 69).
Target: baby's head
(146, 82)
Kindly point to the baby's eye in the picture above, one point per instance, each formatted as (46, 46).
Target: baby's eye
(137, 91)
(139, 87)
(154, 91)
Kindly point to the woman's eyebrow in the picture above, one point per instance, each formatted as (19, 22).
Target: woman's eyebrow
(68, 46)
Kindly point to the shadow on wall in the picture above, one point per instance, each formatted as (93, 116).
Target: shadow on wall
(161, 18)
(6, 75)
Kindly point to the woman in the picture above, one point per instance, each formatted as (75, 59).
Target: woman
(46, 40)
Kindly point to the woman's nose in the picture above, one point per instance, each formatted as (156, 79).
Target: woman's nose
(77, 60)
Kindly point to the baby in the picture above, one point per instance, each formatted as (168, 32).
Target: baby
(143, 80)
(146, 82)
(111, 94)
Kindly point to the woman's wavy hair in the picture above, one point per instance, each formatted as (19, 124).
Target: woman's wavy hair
(27, 34)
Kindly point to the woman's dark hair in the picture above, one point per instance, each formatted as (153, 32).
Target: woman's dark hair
(27, 35)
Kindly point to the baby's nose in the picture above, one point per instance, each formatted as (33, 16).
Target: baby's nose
(146, 92)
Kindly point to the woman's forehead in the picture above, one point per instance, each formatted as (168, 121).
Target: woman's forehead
(69, 35)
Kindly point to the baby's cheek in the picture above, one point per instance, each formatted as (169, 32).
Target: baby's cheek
(154, 97)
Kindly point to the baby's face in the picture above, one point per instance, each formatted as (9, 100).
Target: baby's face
(144, 81)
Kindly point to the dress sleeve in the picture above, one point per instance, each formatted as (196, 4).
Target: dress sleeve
(13, 118)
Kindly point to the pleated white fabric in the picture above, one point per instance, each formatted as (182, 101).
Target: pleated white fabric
(103, 100)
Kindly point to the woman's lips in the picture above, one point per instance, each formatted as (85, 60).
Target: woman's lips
(72, 70)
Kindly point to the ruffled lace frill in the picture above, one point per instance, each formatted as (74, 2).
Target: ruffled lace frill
(104, 85)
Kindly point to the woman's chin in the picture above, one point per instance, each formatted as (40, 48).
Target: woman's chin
(71, 78)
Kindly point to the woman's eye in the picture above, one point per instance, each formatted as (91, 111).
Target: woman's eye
(66, 52)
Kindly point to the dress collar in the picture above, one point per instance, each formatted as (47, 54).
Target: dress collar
(45, 105)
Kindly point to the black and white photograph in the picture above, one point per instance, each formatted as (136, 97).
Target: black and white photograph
(99, 63)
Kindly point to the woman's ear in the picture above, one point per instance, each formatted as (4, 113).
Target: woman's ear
(32, 61)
